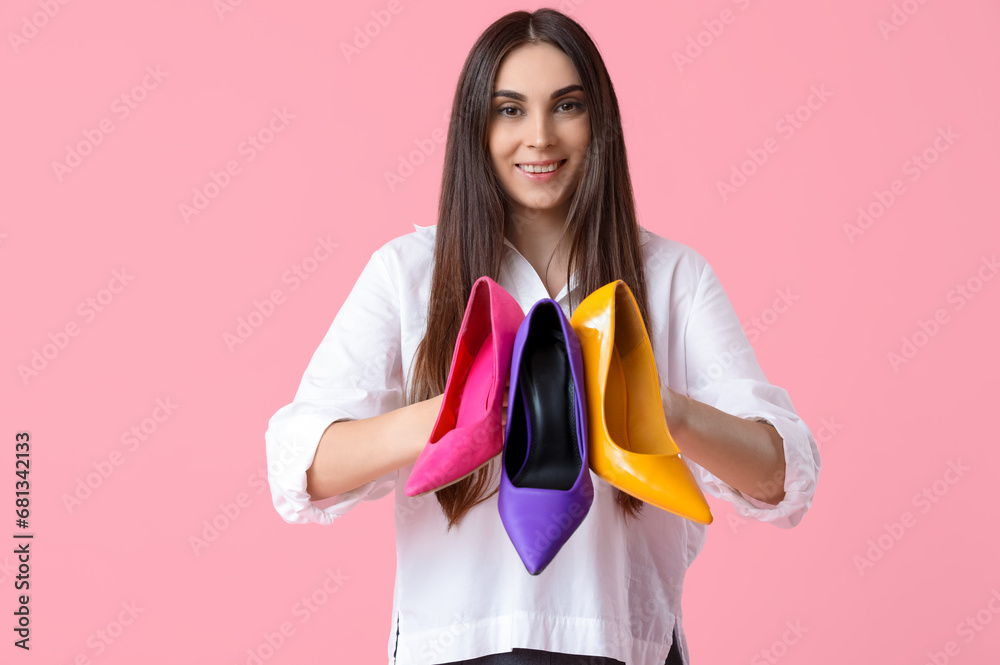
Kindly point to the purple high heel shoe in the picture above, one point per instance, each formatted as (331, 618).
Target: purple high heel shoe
(545, 485)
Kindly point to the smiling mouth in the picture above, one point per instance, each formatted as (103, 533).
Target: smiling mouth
(548, 168)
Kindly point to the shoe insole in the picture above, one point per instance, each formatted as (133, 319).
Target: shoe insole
(630, 418)
(549, 400)
(616, 402)
(478, 386)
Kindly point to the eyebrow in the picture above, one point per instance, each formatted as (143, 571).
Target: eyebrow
(521, 98)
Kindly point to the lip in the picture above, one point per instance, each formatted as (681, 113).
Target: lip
(545, 163)
(541, 177)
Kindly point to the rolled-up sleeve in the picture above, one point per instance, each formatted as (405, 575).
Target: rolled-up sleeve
(723, 372)
(355, 373)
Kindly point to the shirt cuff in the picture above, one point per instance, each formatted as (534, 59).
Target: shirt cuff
(802, 465)
(292, 438)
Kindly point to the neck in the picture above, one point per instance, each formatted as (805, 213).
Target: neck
(539, 236)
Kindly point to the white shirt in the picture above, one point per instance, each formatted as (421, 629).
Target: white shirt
(613, 590)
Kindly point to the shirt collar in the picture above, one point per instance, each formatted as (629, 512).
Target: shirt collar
(573, 283)
(643, 235)
(643, 239)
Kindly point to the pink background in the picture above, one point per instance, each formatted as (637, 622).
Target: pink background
(875, 572)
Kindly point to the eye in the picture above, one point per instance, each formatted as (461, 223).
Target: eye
(573, 105)
(502, 111)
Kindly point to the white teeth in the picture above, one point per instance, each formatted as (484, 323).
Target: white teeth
(539, 169)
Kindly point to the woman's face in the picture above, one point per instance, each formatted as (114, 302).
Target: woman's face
(539, 117)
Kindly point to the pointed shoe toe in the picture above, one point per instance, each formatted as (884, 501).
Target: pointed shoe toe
(467, 433)
(630, 445)
(457, 454)
(545, 486)
(539, 521)
(664, 481)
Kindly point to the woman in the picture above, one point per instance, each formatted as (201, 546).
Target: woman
(534, 91)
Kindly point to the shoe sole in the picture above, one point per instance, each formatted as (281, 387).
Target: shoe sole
(457, 479)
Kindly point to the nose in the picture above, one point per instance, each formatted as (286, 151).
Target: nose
(541, 133)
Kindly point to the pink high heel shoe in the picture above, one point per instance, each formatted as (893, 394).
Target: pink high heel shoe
(467, 432)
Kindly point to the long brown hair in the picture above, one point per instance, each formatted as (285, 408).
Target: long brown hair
(601, 220)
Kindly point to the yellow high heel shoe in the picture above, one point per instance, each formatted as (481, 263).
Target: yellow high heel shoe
(630, 446)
